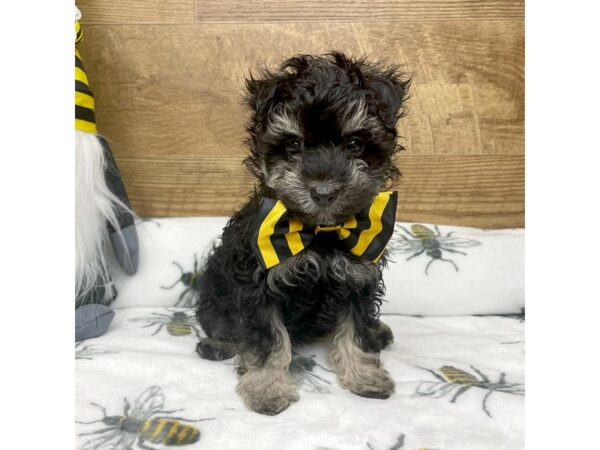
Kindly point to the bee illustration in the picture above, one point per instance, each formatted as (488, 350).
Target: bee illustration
(421, 239)
(146, 422)
(87, 351)
(191, 281)
(302, 368)
(179, 323)
(458, 381)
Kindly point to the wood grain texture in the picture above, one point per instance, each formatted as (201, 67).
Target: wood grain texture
(168, 94)
(480, 190)
(180, 92)
(243, 11)
(136, 11)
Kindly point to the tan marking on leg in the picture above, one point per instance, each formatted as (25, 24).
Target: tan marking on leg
(268, 389)
(361, 372)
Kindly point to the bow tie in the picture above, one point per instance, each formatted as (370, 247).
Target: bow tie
(279, 235)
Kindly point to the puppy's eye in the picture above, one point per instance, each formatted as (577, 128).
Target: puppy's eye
(294, 145)
(354, 145)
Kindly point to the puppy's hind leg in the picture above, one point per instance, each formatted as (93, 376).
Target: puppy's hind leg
(265, 384)
(358, 370)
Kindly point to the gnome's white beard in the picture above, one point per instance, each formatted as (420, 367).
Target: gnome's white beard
(94, 206)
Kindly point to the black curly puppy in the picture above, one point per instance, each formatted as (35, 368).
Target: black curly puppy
(322, 142)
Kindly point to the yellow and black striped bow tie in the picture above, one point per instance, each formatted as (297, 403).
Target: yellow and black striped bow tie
(85, 118)
(279, 235)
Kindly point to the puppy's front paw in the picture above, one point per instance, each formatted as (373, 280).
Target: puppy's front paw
(267, 391)
(372, 382)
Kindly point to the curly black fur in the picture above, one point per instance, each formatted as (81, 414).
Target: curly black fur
(316, 121)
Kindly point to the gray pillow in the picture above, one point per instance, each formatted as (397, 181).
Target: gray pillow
(92, 321)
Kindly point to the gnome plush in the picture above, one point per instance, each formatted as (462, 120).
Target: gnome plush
(102, 214)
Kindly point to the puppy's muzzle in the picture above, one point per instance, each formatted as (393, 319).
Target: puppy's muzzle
(324, 194)
(325, 171)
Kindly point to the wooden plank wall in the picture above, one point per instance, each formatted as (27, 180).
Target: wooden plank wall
(168, 76)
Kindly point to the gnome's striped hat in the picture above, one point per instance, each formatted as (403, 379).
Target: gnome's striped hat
(85, 118)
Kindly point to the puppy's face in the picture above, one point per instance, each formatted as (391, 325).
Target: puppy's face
(323, 134)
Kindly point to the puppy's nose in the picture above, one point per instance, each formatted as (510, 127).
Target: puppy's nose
(323, 195)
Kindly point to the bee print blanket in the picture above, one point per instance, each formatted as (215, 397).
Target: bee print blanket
(432, 270)
(459, 386)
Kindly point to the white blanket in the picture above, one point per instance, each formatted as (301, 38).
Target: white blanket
(459, 386)
(432, 270)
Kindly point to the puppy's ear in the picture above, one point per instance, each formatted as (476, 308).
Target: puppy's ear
(389, 86)
(352, 67)
(260, 93)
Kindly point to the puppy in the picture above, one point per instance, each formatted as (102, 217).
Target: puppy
(293, 264)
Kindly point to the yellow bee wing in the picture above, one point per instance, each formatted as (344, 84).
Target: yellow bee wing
(421, 231)
(454, 375)
(148, 402)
